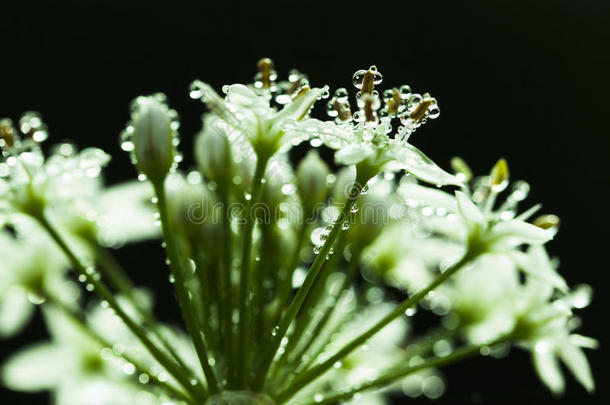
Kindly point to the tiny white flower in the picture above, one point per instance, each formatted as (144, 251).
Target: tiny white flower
(544, 327)
(250, 112)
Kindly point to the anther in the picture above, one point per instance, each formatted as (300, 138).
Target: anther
(394, 102)
(265, 67)
(461, 168)
(302, 91)
(421, 111)
(499, 176)
(549, 221)
(343, 111)
(369, 111)
(368, 82)
(7, 132)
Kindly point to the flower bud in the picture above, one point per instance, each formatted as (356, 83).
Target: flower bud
(311, 179)
(151, 137)
(213, 152)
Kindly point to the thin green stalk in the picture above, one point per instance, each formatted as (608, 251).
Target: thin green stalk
(80, 323)
(281, 329)
(286, 285)
(328, 310)
(184, 298)
(104, 293)
(311, 374)
(227, 288)
(401, 372)
(207, 287)
(244, 280)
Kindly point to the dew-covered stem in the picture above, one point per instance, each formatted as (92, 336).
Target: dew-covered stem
(184, 298)
(279, 332)
(399, 372)
(244, 279)
(104, 293)
(311, 374)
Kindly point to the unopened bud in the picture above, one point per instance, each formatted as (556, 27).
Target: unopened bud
(153, 137)
(213, 153)
(311, 179)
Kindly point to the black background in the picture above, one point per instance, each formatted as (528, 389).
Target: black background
(524, 80)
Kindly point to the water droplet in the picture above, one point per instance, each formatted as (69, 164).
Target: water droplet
(365, 189)
(411, 311)
(275, 330)
(143, 378)
(318, 397)
(171, 279)
(354, 208)
(345, 225)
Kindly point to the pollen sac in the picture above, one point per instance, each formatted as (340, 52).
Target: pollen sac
(266, 76)
(338, 106)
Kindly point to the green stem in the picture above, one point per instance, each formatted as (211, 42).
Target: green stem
(328, 310)
(311, 374)
(104, 293)
(244, 281)
(80, 323)
(184, 298)
(401, 372)
(281, 329)
(227, 261)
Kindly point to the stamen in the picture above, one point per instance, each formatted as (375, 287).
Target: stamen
(549, 221)
(421, 111)
(369, 111)
(393, 103)
(368, 82)
(7, 133)
(343, 111)
(498, 178)
(461, 168)
(303, 90)
(265, 67)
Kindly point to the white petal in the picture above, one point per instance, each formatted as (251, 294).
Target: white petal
(299, 108)
(15, 311)
(548, 370)
(536, 263)
(414, 161)
(516, 232)
(36, 368)
(352, 154)
(428, 196)
(575, 359)
(470, 212)
(126, 214)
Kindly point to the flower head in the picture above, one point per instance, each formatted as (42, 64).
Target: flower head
(249, 109)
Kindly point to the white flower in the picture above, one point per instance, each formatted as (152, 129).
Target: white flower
(484, 228)
(250, 113)
(31, 268)
(366, 139)
(545, 326)
(74, 367)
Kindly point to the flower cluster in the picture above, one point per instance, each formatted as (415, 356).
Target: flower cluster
(280, 267)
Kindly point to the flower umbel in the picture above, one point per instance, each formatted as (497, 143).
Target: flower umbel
(279, 265)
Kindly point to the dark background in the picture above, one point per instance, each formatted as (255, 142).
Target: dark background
(526, 80)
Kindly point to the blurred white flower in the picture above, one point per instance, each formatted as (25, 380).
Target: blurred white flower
(545, 328)
(76, 368)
